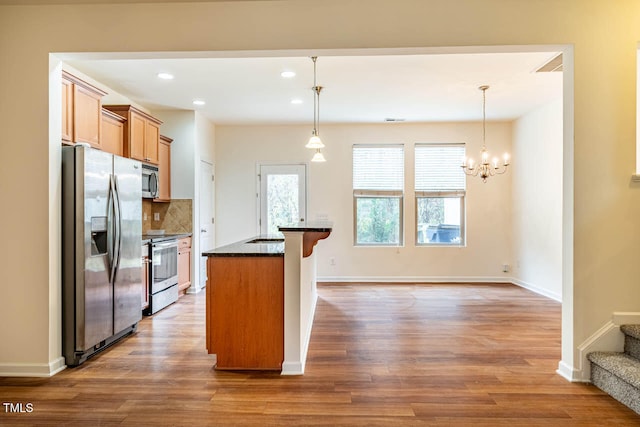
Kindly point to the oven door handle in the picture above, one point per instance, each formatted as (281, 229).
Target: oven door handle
(164, 245)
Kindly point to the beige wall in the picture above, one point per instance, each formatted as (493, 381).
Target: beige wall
(240, 148)
(537, 200)
(600, 203)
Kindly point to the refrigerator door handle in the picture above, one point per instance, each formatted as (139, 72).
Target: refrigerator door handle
(110, 228)
(118, 227)
(113, 224)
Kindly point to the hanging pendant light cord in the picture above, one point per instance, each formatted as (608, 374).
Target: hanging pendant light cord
(315, 98)
(484, 116)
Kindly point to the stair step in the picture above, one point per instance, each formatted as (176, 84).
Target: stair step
(631, 330)
(618, 374)
(631, 340)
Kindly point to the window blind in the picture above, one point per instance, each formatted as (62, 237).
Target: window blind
(378, 167)
(438, 168)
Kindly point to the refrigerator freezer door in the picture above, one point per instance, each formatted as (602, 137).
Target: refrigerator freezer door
(128, 277)
(93, 292)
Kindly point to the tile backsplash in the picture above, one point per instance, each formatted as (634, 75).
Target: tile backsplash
(174, 217)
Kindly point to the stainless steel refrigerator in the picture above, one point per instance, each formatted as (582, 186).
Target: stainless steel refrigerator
(101, 241)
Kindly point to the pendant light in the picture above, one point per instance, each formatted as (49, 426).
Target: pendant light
(484, 168)
(315, 142)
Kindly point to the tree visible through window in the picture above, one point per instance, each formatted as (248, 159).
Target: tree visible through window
(282, 201)
(378, 183)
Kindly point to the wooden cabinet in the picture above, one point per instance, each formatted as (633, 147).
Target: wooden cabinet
(245, 311)
(81, 111)
(141, 133)
(164, 169)
(112, 133)
(184, 264)
(145, 277)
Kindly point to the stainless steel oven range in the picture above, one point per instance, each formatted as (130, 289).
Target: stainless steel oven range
(163, 275)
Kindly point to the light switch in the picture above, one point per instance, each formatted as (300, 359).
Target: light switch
(156, 216)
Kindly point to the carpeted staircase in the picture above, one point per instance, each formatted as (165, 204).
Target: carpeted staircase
(618, 374)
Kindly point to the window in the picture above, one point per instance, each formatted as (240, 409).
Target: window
(378, 183)
(440, 194)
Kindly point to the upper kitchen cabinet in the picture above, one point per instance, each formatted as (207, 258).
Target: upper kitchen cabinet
(112, 132)
(164, 169)
(141, 133)
(81, 111)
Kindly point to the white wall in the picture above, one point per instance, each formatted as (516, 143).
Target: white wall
(205, 151)
(537, 200)
(180, 126)
(193, 140)
(240, 148)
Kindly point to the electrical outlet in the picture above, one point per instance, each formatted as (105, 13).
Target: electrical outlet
(144, 216)
(506, 268)
(156, 216)
(332, 261)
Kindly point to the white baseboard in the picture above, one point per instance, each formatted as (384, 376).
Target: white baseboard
(33, 369)
(568, 373)
(292, 368)
(607, 338)
(414, 279)
(538, 290)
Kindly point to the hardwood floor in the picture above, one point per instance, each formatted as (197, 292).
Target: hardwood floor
(380, 355)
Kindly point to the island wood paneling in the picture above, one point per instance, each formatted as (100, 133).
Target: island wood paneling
(245, 301)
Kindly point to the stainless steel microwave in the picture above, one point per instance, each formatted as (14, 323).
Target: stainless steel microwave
(149, 181)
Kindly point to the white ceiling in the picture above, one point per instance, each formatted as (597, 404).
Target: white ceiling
(356, 89)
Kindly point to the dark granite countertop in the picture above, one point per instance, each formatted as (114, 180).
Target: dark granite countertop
(321, 226)
(256, 246)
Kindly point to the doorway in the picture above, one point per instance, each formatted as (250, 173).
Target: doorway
(282, 196)
(207, 220)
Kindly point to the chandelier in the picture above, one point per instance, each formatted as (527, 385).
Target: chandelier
(485, 168)
(315, 142)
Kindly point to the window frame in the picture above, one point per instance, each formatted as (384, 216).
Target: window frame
(461, 194)
(365, 193)
(379, 194)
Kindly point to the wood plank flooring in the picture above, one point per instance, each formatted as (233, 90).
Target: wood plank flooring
(380, 355)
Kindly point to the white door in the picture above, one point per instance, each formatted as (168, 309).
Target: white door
(207, 219)
(283, 196)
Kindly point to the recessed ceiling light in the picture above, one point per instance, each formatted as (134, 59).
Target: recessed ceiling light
(288, 74)
(198, 102)
(165, 76)
(296, 101)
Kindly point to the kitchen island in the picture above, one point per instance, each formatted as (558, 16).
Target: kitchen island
(261, 295)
